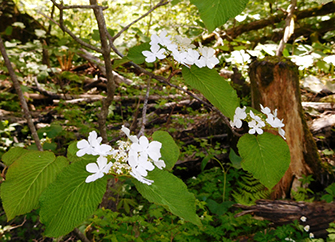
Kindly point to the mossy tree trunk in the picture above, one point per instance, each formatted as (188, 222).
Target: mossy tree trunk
(275, 84)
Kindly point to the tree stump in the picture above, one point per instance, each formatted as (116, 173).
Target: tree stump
(275, 84)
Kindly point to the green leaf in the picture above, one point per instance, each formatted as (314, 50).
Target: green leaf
(27, 178)
(205, 161)
(215, 13)
(170, 192)
(51, 131)
(169, 151)
(235, 159)
(70, 200)
(213, 87)
(218, 208)
(120, 62)
(8, 30)
(135, 53)
(96, 35)
(13, 154)
(266, 156)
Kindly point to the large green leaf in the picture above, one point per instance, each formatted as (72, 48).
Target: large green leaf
(27, 178)
(170, 192)
(13, 154)
(215, 13)
(69, 200)
(169, 151)
(213, 87)
(266, 156)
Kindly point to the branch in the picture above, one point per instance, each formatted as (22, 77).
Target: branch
(21, 97)
(106, 51)
(144, 111)
(161, 3)
(289, 28)
(84, 7)
(97, 62)
(66, 30)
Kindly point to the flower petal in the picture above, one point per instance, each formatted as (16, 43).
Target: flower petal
(154, 150)
(92, 167)
(82, 144)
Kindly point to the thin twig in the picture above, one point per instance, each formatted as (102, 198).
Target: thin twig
(61, 6)
(144, 110)
(84, 7)
(289, 28)
(161, 3)
(21, 97)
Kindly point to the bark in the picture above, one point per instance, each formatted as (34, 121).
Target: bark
(106, 52)
(275, 84)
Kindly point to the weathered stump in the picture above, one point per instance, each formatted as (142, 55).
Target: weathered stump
(275, 84)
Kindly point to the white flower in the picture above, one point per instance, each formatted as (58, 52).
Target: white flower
(289, 239)
(239, 57)
(273, 120)
(265, 110)
(132, 138)
(138, 158)
(306, 228)
(330, 59)
(208, 56)
(256, 124)
(281, 133)
(303, 218)
(191, 57)
(137, 174)
(92, 146)
(98, 169)
(184, 43)
(303, 61)
(179, 56)
(156, 52)
(240, 114)
(164, 40)
(311, 235)
(145, 150)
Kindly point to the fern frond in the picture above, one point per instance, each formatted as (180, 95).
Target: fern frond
(249, 190)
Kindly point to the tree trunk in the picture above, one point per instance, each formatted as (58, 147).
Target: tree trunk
(275, 84)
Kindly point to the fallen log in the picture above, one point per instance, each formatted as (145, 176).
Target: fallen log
(321, 107)
(279, 212)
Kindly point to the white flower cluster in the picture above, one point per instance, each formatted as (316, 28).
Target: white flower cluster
(307, 227)
(135, 157)
(181, 49)
(255, 122)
